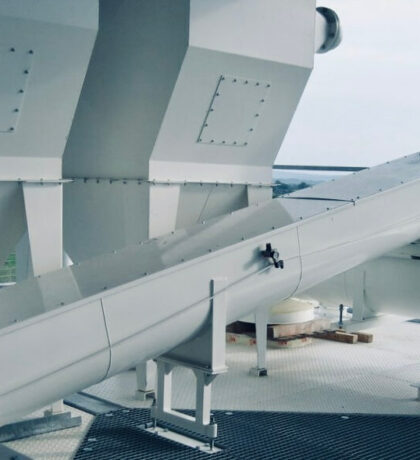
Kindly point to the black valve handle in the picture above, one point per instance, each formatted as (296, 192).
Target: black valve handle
(270, 253)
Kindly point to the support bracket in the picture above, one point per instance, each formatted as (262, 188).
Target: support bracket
(205, 356)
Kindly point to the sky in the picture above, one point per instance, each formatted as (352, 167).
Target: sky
(361, 106)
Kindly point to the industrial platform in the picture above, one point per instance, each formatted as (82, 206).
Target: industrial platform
(323, 377)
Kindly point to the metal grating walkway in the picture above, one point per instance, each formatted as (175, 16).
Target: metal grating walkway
(260, 435)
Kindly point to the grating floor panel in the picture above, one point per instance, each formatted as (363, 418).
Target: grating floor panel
(261, 435)
(323, 377)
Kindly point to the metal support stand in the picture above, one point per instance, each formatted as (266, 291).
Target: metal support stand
(205, 356)
(145, 379)
(261, 318)
(360, 309)
(257, 195)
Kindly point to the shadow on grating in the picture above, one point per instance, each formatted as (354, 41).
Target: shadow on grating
(415, 320)
(260, 435)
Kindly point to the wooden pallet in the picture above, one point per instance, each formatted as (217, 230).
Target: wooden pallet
(281, 342)
(279, 335)
(340, 335)
(276, 331)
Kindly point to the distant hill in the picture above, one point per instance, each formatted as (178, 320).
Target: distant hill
(290, 177)
(289, 181)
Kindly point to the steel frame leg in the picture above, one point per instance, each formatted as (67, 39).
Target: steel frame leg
(261, 318)
(44, 217)
(163, 210)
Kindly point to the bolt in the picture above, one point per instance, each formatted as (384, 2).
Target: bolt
(26, 71)
(31, 51)
(20, 91)
(12, 50)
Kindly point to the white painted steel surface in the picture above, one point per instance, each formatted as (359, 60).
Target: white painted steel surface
(59, 36)
(375, 287)
(160, 64)
(102, 216)
(142, 301)
(44, 54)
(190, 91)
(44, 219)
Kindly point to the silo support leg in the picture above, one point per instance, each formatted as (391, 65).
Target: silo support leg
(44, 217)
(261, 319)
